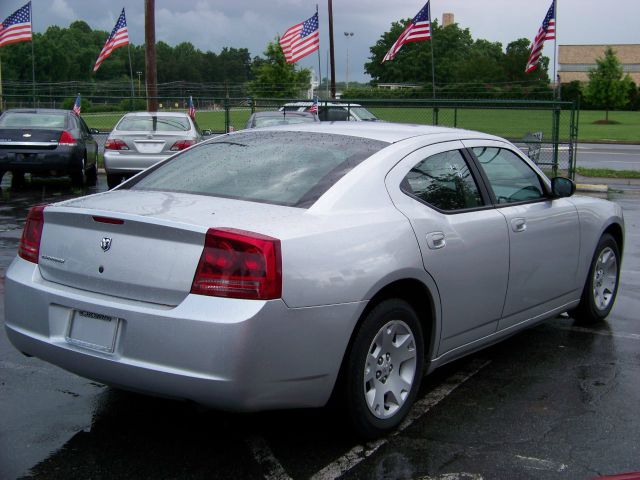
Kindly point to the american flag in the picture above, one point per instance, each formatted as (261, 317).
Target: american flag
(547, 31)
(300, 40)
(418, 29)
(16, 27)
(192, 109)
(119, 38)
(314, 106)
(77, 106)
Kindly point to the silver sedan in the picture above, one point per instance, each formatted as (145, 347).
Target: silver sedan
(141, 139)
(276, 268)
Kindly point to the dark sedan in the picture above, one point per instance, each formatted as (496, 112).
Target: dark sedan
(47, 142)
(271, 119)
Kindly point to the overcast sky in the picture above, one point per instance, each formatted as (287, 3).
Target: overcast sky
(213, 24)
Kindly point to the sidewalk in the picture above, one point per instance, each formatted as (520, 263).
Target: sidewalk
(596, 184)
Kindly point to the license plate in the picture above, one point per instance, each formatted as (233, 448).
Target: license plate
(149, 147)
(93, 330)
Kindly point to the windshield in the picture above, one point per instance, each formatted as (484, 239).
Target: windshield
(283, 168)
(154, 123)
(33, 120)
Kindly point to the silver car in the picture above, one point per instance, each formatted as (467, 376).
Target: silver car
(274, 268)
(141, 139)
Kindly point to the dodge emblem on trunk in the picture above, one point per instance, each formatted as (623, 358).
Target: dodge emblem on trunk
(105, 244)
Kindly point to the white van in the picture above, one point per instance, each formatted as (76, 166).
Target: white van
(333, 111)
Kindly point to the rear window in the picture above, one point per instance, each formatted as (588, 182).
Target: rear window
(282, 168)
(33, 120)
(154, 124)
(273, 121)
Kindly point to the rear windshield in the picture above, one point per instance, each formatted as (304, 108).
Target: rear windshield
(154, 124)
(282, 168)
(272, 121)
(33, 120)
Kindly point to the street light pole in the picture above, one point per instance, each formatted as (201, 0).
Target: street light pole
(347, 35)
(139, 74)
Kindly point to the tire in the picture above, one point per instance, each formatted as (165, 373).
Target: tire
(2, 172)
(384, 368)
(79, 177)
(113, 180)
(601, 287)
(17, 180)
(92, 176)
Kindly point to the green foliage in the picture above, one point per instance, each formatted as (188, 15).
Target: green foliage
(275, 78)
(468, 67)
(69, 54)
(85, 105)
(607, 87)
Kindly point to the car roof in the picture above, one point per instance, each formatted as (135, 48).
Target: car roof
(386, 132)
(322, 103)
(37, 110)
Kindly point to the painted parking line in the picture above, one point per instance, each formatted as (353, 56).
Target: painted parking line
(357, 454)
(605, 333)
(263, 455)
(541, 464)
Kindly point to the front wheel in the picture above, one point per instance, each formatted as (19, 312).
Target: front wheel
(92, 176)
(384, 368)
(600, 291)
(113, 180)
(79, 176)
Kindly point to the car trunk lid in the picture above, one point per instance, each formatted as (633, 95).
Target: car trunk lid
(141, 245)
(29, 138)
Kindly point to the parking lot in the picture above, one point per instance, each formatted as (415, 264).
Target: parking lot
(558, 401)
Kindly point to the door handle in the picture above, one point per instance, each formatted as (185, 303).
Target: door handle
(519, 224)
(436, 240)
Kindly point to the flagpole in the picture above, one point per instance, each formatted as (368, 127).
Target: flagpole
(319, 60)
(433, 67)
(33, 58)
(131, 74)
(555, 49)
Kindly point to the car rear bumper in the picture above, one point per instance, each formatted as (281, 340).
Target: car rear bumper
(227, 353)
(62, 159)
(117, 162)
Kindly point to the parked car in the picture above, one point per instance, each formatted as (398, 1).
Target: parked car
(334, 111)
(273, 268)
(47, 142)
(141, 139)
(271, 119)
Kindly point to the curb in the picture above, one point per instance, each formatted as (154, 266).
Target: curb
(590, 187)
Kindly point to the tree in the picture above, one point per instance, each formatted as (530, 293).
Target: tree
(276, 78)
(607, 88)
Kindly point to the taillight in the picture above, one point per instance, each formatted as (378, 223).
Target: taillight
(181, 145)
(29, 247)
(239, 264)
(67, 139)
(115, 144)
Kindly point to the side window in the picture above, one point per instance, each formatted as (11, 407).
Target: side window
(510, 178)
(444, 181)
(83, 126)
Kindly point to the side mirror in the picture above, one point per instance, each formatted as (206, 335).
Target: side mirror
(562, 187)
(206, 132)
(94, 131)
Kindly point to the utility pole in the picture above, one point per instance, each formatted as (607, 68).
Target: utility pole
(333, 63)
(150, 55)
(347, 35)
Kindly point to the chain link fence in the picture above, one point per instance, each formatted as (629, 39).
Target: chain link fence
(547, 131)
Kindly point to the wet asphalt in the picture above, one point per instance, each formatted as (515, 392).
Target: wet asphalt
(557, 401)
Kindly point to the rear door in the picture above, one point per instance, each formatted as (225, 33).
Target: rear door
(544, 233)
(463, 240)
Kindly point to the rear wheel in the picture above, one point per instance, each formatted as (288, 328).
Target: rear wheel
(384, 368)
(113, 180)
(79, 177)
(17, 180)
(600, 291)
(92, 176)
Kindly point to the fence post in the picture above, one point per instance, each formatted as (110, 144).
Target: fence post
(455, 117)
(227, 119)
(252, 102)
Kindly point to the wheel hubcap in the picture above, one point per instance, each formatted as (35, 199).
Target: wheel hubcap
(390, 369)
(605, 278)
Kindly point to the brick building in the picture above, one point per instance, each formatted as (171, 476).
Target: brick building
(575, 61)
